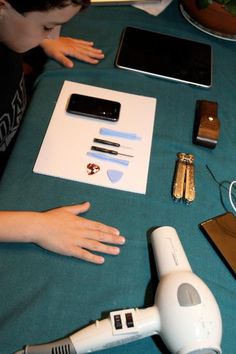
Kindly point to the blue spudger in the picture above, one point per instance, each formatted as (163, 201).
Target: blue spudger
(120, 134)
(104, 157)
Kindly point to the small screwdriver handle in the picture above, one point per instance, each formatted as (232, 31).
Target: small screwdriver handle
(96, 148)
(106, 142)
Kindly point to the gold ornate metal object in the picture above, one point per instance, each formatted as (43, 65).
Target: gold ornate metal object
(189, 194)
(184, 180)
(178, 185)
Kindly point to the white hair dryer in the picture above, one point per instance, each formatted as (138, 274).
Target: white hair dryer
(185, 313)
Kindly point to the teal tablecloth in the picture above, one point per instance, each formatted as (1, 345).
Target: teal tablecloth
(45, 296)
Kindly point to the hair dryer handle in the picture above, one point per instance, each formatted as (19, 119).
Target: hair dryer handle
(122, 326)
(168, 251)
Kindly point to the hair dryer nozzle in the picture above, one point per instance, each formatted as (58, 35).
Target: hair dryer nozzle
(168, 251)
(189, 315)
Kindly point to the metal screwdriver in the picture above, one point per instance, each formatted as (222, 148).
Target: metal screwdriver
(108, 151)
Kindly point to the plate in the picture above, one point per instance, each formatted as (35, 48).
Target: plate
(228, 37)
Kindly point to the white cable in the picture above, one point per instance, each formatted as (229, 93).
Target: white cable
(230, 195)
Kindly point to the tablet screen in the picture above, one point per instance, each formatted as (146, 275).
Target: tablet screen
(165, 56)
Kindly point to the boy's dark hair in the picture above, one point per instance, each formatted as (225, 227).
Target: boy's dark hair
(23, 6)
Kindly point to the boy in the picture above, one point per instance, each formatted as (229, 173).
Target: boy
(25, 24)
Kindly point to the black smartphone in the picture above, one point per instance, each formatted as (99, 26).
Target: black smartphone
(94, 107)
(221, 232)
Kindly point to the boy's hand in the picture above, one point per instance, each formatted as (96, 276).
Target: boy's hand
(61, 230)
(63, 47)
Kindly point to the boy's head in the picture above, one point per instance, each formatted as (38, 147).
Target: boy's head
(23, 6)
(24, 24)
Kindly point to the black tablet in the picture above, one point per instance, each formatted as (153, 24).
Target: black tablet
(165, 56)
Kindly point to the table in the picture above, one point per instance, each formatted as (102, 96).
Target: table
(45, 296)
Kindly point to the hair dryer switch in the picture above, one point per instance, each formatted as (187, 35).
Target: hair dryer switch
(123, 322)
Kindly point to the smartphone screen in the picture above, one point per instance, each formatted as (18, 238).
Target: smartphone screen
(94, 107)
